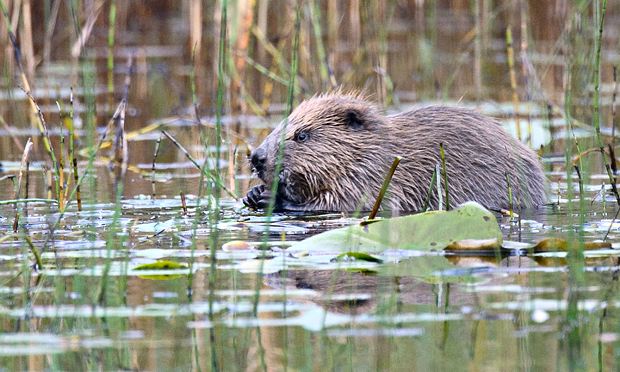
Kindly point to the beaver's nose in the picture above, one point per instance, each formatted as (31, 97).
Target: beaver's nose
(258, 158)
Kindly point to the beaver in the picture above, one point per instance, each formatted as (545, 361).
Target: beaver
(337, 148)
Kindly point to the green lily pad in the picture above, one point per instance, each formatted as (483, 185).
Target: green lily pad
(358, 256)
(161, 265)
(430, 231)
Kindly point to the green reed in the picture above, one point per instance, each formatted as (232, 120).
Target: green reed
(384, 187)
(215, 210)
(111, 43)
(513, 80)
(327, 79)
(429, 194)
(70, 124)
(444, 173)
(596, 100)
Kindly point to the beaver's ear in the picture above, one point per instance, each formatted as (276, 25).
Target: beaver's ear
(353, 120)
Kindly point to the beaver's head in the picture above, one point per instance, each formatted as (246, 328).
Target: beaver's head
(331, 148)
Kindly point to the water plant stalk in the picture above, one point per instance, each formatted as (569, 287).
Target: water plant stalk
(509, 189)
(289, 109)
(384, 187)
(110, 57)
(315, 16)
(157, 145)
(214, 215)
(430, 191)
(596, 100)
(74, 163)
(444, 172)
(513, 80)
(61, 160)
(614, 95)
(47, 142)
(213, 178)
(18, 186)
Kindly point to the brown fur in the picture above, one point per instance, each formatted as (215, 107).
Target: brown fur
(350, 145)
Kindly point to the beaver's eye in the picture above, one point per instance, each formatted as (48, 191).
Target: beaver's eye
(302, 136)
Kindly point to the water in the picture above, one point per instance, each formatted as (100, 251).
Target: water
(244, 306)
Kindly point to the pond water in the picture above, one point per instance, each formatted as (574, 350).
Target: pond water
(251, 304)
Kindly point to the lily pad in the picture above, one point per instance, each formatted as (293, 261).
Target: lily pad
(561, 245)
(430, 231)
(161, 265)
(358, 256)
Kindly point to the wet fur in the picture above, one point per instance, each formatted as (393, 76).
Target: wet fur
(351, 145)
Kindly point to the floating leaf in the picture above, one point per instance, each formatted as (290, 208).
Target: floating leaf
(561, 245)
(154, 227)
(589, 246)
(425, 232)
(236, 245)
(161, 277)
(161, 265)
(474, 245)
(361, 256)
(551, 245)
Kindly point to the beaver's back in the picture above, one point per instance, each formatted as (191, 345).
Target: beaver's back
(479, 156)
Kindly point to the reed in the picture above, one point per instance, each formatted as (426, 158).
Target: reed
(204, 170)
(513, 80)
(18, 186)
(61, 163)
(430, 191)
(596, 99)
(214, 215)
(614, 96)
(26, 40)
(47, 142)
(444, 172)
(74, 163)
(477, 66)
(384, 187)
(327, 79)
(157, 145)
(49, 32)
(110, 52)
(17, 56)
(509, 195)
(289, 107)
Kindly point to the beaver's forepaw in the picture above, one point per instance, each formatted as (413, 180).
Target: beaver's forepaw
(257, 198)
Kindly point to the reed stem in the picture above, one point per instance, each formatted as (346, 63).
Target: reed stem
(513, 80)
(430, 191)
(384, 187)
(444, 172)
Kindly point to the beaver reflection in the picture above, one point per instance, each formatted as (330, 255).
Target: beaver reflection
(357, 293)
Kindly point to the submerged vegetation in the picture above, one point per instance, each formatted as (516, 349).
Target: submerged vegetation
(124, 133)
